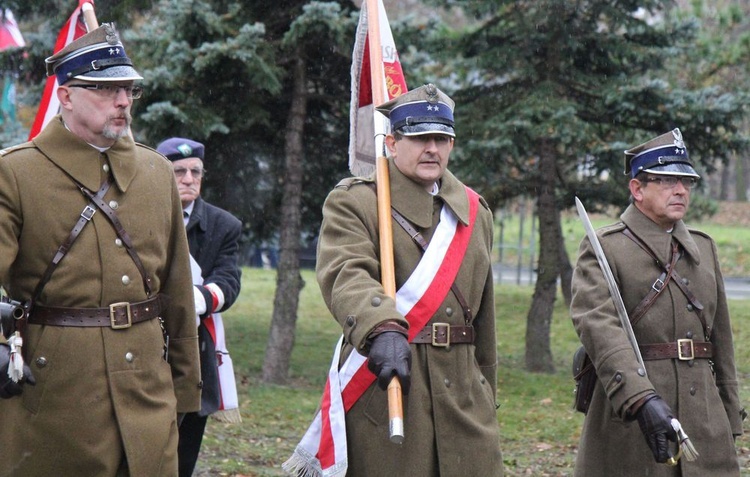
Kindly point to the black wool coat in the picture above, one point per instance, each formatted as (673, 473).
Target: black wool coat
(213, 236)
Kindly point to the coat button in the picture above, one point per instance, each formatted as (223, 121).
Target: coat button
(689, 335)
(692, 390)
(447, 382)
(129, 357)
(685, 281)
(125, 280)
(641, 372)
(118, 242)
(350, 320)
(376, 301)
(105, 167)
(41, 362)
(618, 377)
(114, 204)
(482, 380)
(449, 311)
(691, 363)
(690, 307)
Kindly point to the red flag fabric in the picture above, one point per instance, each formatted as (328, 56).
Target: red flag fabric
(10, 35)
(73, 29)
(363, 126)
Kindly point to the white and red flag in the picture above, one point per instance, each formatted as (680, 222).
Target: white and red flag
(363, 125)
(10, 35)
(73, 29)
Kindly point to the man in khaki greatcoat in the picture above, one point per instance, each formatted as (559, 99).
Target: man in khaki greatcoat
(447, 364)
(683, 331)
(112, 360)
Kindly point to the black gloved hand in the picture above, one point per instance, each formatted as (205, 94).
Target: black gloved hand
(9, 388)
(655, 419)
(389, 355)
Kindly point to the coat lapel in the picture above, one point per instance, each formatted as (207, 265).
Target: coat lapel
(79, 156)
(413, 202)
(657, 239)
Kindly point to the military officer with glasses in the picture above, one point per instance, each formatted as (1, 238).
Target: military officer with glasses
(673, 291)
(92, 241)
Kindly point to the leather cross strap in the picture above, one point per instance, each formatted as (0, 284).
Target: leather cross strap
(112, 216)
(659, 285)
(678, 280)
(86, 215)
(116, 315)
(419, 240)
(684, 350)
(444, 335)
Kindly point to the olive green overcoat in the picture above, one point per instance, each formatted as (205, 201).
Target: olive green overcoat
(450, 421)
(704, 396)
(100, 393)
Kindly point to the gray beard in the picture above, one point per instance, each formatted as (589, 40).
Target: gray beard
(110, 133)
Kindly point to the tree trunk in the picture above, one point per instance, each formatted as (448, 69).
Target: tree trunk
(566, 273)
(538, 352)
(288, 279)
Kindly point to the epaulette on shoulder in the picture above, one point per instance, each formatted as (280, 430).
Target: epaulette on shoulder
(484, 203)
(139, 144)
(699, 232)
(8, 150)
(612, 228)
(348, 182)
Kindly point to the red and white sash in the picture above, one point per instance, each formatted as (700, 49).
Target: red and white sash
(322, 450)
(229, 403)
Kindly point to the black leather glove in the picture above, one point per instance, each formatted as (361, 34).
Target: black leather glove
(655, 419)
(389, 355)
(9, 388)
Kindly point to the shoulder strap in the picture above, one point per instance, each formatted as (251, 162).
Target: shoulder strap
(422, 243)
(110, 214)
(669, 271)
(86, 215)
(419, 240)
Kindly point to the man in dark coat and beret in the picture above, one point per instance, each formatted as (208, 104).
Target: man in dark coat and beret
(673, 291)
(213, 236)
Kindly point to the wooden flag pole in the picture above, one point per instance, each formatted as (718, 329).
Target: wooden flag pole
(89, 17)
(385, 226)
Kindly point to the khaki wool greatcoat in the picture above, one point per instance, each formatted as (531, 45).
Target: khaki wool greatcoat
(703, 396)
(100, 393)
(450, 421)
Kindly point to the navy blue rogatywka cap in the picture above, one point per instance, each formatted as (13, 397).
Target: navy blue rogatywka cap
(96, 56)
(663, 155)
(425, 110)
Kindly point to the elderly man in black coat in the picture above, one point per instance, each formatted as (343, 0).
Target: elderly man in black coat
(213, 237)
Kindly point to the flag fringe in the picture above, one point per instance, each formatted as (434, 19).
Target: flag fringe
(229, 416)
(303, 464)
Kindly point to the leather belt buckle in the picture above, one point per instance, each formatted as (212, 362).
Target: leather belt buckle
(658, 285)
(114, 323)
(680, 355)
(436, 327)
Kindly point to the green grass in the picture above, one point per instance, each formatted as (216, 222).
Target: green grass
(539, 428)
(732, 240)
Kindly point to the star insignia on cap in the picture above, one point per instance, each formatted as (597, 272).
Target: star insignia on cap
(435, 108)
(114, 51)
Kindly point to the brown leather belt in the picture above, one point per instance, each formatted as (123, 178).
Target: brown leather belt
(444, 335)
(117, 315)
(684, 350)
